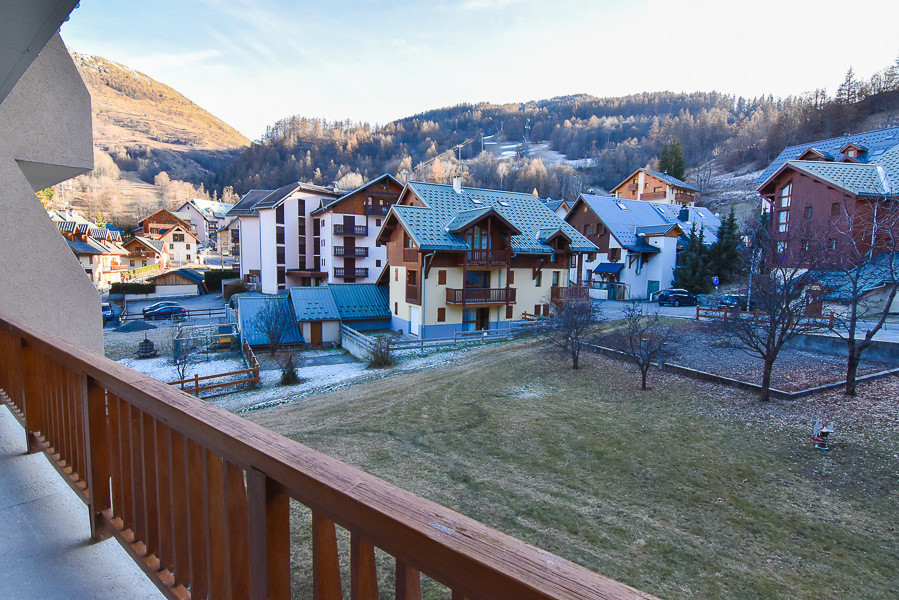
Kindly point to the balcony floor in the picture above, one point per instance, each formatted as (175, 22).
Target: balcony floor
(46, 550)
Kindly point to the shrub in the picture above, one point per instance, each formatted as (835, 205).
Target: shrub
(229, 289)
(132, 288)
(289, 372)
(381, 354)
(213, 279)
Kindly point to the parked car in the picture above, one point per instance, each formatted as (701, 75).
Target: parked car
(158, 305)
(176, 313)
(732, 301)
(676, 297)
(108, 314)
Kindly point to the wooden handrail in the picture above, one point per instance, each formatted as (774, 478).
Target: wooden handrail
(199, 496)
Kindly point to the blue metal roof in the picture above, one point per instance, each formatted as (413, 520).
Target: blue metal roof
(313, 304)
(248, 307)
(356, 301)
(327, 206)
(82, 248)
(430, 225)
(877, 143)
(626, 218)
(613, 268)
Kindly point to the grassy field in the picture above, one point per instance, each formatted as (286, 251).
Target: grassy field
(672, 491)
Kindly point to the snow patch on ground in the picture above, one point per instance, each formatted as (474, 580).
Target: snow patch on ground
(161, 367)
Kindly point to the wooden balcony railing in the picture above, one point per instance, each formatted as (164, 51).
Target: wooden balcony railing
(653, 196)
(376, 209)
(572, 293)
(480, 296)
(488, 258)
(355, 273)
(340, 229)
(684, 196)
(632, 187)
(413, 293)
(357, 251)
(200, 498)
(410, 255)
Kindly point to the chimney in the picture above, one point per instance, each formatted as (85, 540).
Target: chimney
(457, 185)
(684, 214)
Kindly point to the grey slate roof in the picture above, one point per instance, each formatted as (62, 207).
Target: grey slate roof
(429, 226)
(703, 217)
(156, 245)
(860, 179)
(244, 206)
(878, 142)
(82, 248)
(313, 304)
(553, 205)
(875, 274)
(277, 197)
(248, 306)
(672, 180)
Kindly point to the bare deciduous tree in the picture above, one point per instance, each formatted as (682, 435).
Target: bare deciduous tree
(572, 325)
(184, 351)
(862, 272)
(275, 321)
(644, 339)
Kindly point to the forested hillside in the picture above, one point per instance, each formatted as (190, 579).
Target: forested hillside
(566, 144)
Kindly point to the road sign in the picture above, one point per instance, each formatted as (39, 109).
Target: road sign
(715, 281)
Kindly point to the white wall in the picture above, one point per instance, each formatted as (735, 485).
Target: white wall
(249, 245)
(45, 128)
(268, 252)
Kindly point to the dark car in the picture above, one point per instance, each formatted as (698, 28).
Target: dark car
(158, 305)
(176, 313)
(676, 297)
(732, 301)
(108, 314)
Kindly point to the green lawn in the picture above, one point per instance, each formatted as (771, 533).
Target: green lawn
(653, 489)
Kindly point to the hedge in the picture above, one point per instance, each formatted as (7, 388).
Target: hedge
(213, 278)
(132, 288)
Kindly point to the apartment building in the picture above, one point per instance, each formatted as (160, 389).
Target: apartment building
(652, 186)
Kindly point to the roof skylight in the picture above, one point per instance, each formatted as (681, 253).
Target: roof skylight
(621, 205)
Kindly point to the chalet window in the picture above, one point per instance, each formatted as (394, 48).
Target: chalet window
(171, 246)
(280, 256)
(808, 211)
(555, 279)
(851, 152)
(411, 277)
(279, 235)
(143, 263)
(441, 277)
(785, 193)
(131, 262)
(377, 222)
(441, 315)
(614, 254)
(396, 308)
(509, 312)
(477, 238)
(538, 281)
(177, 237)
(187, 246)
(587, 229)
(188, 257)
(281, 276)
(834, 209)
(591, 256)
(377, 263)
(511, 277)
(600, 229)
(781, 247)
(783, 221)
(806, 245)
(536, 310)
(396, 274)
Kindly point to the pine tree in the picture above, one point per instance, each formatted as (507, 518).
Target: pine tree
(724, 254)
(672, 160)
(692, 271)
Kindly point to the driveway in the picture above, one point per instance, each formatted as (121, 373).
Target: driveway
(614, 309)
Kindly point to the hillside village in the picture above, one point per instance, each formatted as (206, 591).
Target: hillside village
(487, 351)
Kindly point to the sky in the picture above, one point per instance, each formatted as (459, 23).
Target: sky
(252, 62)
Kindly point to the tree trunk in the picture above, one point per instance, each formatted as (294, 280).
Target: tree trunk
(574, 356)
(643, 371)
(852, 371)
(766, 381)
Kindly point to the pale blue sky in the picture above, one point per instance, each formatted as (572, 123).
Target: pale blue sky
(251, 62)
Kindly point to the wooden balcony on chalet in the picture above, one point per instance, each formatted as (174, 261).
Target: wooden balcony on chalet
(685, 197)
(376, 210)
(480, 296)
(488, 258)
(632, 187)
(653, 196)
(357, 251)
(410, 255)
(200, 498)
(358, 273)
(571, 293)
(355, 230)
(413, 294)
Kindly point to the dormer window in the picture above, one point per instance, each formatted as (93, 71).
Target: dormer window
(785, 194)
(852, 152)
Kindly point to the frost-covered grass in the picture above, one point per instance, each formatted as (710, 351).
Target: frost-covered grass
(162, 368)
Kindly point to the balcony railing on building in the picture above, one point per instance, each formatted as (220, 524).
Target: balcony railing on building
(413, 293)
(357, 251)
(632, 187)
(571, 293)
(685, 197)
(653, 196)
(410, 255)
(200, 497)
(488, 258)
(480, 296)
(375, 210)
(341, 229)
(359, 273)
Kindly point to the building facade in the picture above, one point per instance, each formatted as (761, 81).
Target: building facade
(652, 186)
(467, 259)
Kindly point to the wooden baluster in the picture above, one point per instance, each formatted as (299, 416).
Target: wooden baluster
(125, 434)
(33, 403)
(325, 560)
(82, 417)
(269, 511)
(238, 531)
(219, 557)
(181, 531)
(139, 497)
(165, 535)
(115, 454)
(408, 582)
(151, 507)
(363, 573)
(199, 529)
(97, 454)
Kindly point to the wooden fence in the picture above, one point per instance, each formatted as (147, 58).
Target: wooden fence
(199, 497)
(359, 344)
(724, 314)
(197, 312)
